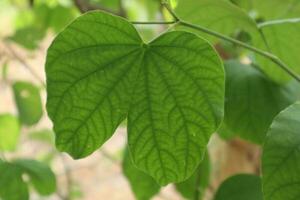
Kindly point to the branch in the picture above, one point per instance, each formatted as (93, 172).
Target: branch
(24, 63)
(271, 57)
(85, 6)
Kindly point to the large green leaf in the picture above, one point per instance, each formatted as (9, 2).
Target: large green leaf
(252, 101)
(281, 156)
(194, 187)
(283, 40)
(217, 15)
(41, 176)
(143, 185)
(12, 187)
(240, 187)
(29, 103)
(172, 89)
(9, 132)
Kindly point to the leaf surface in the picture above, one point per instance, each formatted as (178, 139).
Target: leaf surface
(240, 187)
(283, 40)
(252, 101)
(143, 186)
(12, 187)
(195, 185)
(99, 71)
(28, 101)
(41, 176)
(217, 15)
(9, 132)
(281, 156)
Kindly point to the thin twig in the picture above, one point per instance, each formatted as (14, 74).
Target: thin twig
(153, 22)
(24, 64)
(268, 55)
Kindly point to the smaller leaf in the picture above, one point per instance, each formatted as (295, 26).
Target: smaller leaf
(194, 187)
(12, 187)
(143, 186)
(29, 103)
(43, 135)
(240, 187)
(41, 176)
(281, 156)
(252, 101)
(9, 132)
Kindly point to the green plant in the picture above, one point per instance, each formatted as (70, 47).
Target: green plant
(178, 89)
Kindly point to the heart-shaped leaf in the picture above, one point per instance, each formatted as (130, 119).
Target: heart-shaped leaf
(99, 71)
(281, 156)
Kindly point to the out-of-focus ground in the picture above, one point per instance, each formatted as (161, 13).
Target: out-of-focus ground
(99, 176)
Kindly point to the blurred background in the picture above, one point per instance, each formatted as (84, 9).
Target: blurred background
(27, 28)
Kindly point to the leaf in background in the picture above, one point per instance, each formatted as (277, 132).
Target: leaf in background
(281, 156)
(43, 135)
(12, 187)
(252, 101)
(143, 186)
(272, 9)
(195, 185)
(225, 133)
(240, 187)
(217, 15)
(99, 66)
(4, 71)
(28, 37)
(28, 101)
(9, 132)
(41, 176)
(283, 40)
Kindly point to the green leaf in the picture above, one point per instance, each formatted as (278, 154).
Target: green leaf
(283, 40)
(281, 155)
(217, 15)
(12, 187)
(252, 101)
(41, 176)
(143, 186)
(172, 89)
(29, 103)
(194, 187)
(9, 132)
(272, 9)
(28, 37)
(240, 187)
(43, 135)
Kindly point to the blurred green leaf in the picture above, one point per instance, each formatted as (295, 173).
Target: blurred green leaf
(4, 71)
(12, 187)
(271, 9)
(252, 101)
(143, 186)
(194, 187)
(9, 132)
(240, 187)
(283, 40)
(44, 135)
(28, 101)
(281, 156)
(28, 37)
(41, 176)
(217, 15)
